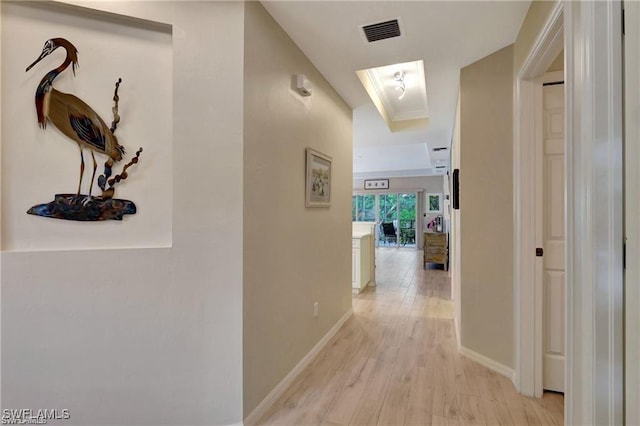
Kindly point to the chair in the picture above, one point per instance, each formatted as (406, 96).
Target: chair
(388, 232)
(407, 236)
(407, 232)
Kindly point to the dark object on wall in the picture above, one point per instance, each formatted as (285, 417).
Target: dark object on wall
(456, 189)
(81, 124)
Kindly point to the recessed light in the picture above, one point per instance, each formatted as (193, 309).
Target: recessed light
(387, 86)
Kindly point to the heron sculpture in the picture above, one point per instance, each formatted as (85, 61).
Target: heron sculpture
(80, 123)
(72, 116)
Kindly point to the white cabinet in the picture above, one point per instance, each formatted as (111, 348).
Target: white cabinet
(361, 261)
(362, 228)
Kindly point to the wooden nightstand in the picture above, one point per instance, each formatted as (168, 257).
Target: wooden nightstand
(436, 249)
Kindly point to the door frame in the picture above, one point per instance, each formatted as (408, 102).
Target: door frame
(592, 33)
(527, 209)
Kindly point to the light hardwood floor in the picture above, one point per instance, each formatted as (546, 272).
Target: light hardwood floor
(394, 362)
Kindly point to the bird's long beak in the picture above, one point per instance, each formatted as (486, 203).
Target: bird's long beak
(42, 55)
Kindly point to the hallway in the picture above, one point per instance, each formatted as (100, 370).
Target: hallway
(394, 362)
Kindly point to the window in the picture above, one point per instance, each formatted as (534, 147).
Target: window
(363, 208)
(396, 208)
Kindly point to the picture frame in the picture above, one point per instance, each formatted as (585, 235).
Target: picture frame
(434, 202)
(376, 184)
(318, 179)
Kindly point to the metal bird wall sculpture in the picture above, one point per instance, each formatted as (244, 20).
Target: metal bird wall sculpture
(80, 123)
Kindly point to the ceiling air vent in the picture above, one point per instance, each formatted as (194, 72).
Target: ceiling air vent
(440, 148)
(381, 30)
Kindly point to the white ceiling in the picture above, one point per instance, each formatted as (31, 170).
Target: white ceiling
(446, 35)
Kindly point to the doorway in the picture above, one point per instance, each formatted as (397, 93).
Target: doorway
(594, 205)
(528, 205)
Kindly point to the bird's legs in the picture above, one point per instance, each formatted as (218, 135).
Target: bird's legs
(81, 169)
(93, 176)
(95, 166)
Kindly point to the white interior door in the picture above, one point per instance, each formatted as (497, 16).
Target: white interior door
(553, 297)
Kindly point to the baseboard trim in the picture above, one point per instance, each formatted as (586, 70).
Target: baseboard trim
(279, 389)
(489, 363)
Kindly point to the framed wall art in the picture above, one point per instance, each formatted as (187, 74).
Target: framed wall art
(376, 184)
(318, 179)
(434, 202)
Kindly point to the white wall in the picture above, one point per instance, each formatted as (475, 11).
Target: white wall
(149, 335)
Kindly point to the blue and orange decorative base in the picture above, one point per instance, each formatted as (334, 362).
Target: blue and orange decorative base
(84, 209)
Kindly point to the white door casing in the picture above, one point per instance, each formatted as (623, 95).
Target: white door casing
(591, 32)
(593, 87)
(632, 210)
(553, 235)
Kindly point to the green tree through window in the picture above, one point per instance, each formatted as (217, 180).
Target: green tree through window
(363, 208)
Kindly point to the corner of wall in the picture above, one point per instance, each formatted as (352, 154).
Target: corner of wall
(294, 256)
(486, 205)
